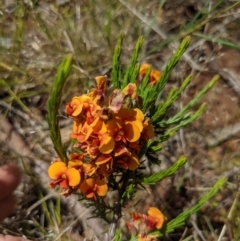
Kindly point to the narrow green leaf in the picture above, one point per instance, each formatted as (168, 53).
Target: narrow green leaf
(53, 105)
(15, 97)
(218, 41)
(192, 117)
(179, 116)
(172, 97)
(157, 177)
(117, 236)
(144, 84)
(180, 219)
(132, 65)
(116, 63)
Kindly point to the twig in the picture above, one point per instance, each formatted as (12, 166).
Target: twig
(199, 232)
(223, 134)
(230, 214)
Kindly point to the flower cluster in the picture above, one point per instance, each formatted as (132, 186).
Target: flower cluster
(144, 224)
(108, 133)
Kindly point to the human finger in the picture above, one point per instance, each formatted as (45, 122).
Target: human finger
(6, 207)
(9, 179)
(11, 238)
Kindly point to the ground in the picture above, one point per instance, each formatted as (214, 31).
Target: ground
(36, 35)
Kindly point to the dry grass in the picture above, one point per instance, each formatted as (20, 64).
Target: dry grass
(36, 35)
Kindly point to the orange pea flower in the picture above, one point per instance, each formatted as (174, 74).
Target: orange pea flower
(115, 101)
(105, 169)
(89, 169)
(107, 143)
(76, 163)
(126, 125)
(98, 92)
(105, 165)
(147, 223)
(155, 214)
(98, 126)
(154, 75)
(122, 99)
(129, 162)
(63, 176)
(130, 90)
(147, 237)
(148, 130)
(81, 131)
(77, 105)
(103, 159)
(109, 133)
(93, 148)
(90, 187)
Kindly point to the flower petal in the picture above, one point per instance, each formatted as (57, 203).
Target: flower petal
(87, 185)
(64, 184)
(99, 126)
(89, 169)
(139, 124)
(114, 126)
(77, 105)
(144, 68)
(133, 162)
(148, 132)
(101, 187)
(157, 215)
(107, 144)
(103, 159)
(73, 176)
(56, 170)
(155, 76)
(120, 150)
(131, 132)
(139, 114)
(101, 82)
(130, 90)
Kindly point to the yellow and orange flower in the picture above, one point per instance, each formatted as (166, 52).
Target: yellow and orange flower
(90, 187)
(77, 105)
(128, 162)
(126, 125)
(144, 224)
(63, 176)
(98, 93)
(156, 216)
(148, 130)
(154, 75)
(122, 99)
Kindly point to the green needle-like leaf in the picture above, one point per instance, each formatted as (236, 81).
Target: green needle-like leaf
(172, 97)
(195, 100)
(131, 70)
(219, 41)
(157, 177)
(116, 63)
(53, 105)
(180, 219)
